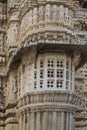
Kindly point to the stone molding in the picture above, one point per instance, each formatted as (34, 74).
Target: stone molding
(54, 101)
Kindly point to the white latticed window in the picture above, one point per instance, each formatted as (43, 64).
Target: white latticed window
(55, 72)
(52, 72)
(49, 72)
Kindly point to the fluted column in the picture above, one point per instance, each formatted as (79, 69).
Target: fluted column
(32, 121)
(58, 120)
(23, 121)
(20, 122)
(67, 121)
(47, 116)
(38, 121)
(54, 121)
(28, 121)
(50, 120)
(72, 122)
(45, 121)
(62, 121)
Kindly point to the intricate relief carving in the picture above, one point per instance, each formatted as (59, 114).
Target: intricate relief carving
(35, 27)
(39, 17)
(49, 98)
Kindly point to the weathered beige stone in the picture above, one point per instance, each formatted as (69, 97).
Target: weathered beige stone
(42, 45)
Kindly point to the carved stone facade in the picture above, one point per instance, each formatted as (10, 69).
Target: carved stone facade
(43, 70)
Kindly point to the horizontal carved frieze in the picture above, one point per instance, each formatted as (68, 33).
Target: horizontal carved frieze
(58, 98)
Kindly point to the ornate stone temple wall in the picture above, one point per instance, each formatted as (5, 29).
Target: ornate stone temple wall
(43, 71)
(80, 85)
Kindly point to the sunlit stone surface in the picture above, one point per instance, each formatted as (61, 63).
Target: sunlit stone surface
(43, 70)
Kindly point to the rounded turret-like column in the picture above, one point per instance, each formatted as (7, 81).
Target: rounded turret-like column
(48, 100)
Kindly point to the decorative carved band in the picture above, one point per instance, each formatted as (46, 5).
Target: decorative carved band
(54, 100)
